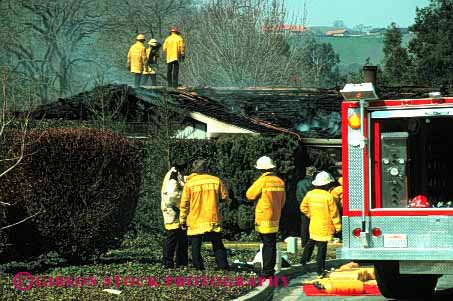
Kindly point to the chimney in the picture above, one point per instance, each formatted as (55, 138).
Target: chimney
(370, 74)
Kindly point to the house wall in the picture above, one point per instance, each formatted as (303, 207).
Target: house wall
(204, 127)
(197, 130)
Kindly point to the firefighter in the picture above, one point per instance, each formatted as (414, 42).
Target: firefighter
(270, 192)
(176, 237)
(337, 194)
(136, 59)
(174, 51)
(318, 205)
(303, 186)
(152, 54)
(200, 213)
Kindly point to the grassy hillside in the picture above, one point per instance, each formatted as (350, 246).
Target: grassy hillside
(355, 50)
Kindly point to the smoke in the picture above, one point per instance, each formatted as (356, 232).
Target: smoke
(320, 121)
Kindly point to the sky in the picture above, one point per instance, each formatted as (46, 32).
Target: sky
(377, 13)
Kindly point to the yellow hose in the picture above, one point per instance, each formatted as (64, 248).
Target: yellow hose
(344, 287)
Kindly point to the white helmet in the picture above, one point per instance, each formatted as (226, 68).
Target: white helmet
(323, 178)
(264, 163)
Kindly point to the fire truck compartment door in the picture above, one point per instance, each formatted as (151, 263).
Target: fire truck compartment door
(393, 171)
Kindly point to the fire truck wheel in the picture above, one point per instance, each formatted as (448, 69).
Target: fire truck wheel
(394, 285)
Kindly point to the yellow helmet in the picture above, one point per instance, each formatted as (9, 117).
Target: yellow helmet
(140, 37)
(152, 42)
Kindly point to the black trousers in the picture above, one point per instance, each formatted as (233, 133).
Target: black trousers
(175, 240)
(269, 253)
(217, 246)
(153, 78)
(320, 257)
(304, 231)
(137, 79)
(173, 73)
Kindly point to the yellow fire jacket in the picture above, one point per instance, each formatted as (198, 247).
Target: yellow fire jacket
(337, 194)
(199, 207)
(270, 190)
(318, 205)
(173, 47)
(136, 57)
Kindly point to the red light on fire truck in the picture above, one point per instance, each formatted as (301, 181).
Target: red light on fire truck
(376, 232)
(356, 232)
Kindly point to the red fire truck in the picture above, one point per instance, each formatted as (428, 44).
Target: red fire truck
(392, 152)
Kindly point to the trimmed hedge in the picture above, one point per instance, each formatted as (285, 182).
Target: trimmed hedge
(82, 184)
(232, 158)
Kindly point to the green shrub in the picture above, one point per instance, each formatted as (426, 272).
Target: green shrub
(81, 186)
(232, 158)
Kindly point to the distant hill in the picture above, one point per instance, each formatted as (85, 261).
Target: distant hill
(354, 50)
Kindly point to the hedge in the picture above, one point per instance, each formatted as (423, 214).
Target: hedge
(82, 184)
(232, 158)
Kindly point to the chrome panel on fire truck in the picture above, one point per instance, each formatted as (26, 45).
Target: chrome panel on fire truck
(411, 112)
(355, 169)
(428, 238)
(393, 171)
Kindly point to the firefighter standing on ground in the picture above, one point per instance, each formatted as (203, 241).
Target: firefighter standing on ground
(176, 237)
(319, 206)
(200, 213)
(152, 54)
(304, 186)
(270, 192)
(136, 59)
(174, 51)
(337, 194)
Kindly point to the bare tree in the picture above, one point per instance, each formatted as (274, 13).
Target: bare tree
(46, 41)
(13, 153)
(241, 43)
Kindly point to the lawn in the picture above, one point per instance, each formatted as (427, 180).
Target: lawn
(135, 271)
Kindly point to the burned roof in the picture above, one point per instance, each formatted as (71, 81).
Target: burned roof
(192, 102)
(137, 104)
(313, 113)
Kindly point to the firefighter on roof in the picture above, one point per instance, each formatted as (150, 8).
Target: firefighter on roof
(152, 54)
(200, 213)
(318, 205)
(136, 59)
(270, 192)
(174, 51)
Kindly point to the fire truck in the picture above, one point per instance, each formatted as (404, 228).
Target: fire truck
(392, 152)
